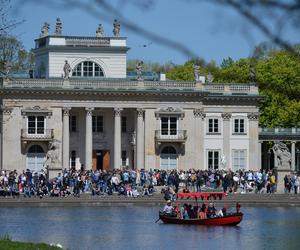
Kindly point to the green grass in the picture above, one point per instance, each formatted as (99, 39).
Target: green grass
(15, 245)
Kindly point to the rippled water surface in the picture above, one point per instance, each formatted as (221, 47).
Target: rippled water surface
(134, 227)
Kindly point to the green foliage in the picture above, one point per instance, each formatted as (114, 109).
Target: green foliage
(182, 72)
(150, 66)
(277, 75)
(237, 72)
(186, 72)
(6, 237)
(226, 63)
(14, 245)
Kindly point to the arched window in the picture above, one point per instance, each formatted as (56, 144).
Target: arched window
(35, 149)
(88, 69)
(168, 150)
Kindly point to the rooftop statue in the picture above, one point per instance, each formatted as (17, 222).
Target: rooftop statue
(210, 78)
(139, 68)
(7, 67)
(117, 28)
(196, 72)
(58, 26)
(67, 69)
(100, 31)
(282, 155)
(45, 29)
(252, 73)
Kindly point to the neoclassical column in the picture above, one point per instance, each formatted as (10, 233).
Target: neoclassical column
(226, 136)
(140, 150)
(88, 138)
(259, 166)
(293, 149)
(117, 138)
(199, 158)
(253, 142)
(66, 138)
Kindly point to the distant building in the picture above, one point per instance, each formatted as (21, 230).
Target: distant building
(100, 119)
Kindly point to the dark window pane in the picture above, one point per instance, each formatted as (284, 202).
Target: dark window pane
(124, 125)
(94, 123)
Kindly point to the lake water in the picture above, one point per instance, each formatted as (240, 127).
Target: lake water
(134, 227)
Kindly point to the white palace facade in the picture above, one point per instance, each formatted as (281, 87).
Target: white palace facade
(100, 119)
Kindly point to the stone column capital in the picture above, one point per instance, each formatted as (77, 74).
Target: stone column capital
(117, 111)
(226, 116)
(6, 110)
(140, 112)
(199, 113)
(66, 111)
(89, 111)
(293, 142)
(253, 116)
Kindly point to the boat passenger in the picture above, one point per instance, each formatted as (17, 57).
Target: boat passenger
(224, 211)
(219, 213)
(184, 212)
(202, 213)
(190, 211)
(168, 209)
(211, 210)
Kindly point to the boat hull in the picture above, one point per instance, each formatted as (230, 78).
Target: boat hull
(228, 220)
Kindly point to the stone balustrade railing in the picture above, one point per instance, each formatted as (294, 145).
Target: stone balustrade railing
(172, 135)
(110, 83)
(279, 131)
(42, 134)
(87, 41)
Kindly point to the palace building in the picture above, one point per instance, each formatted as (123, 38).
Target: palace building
(79, 109)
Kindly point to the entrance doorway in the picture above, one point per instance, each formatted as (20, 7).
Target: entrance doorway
(35, 158)
(168, 158)
(101, 160)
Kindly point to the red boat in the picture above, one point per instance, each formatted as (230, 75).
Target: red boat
(228, 219)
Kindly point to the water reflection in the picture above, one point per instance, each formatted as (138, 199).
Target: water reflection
(133, 227)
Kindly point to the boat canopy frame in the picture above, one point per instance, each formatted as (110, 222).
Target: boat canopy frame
(201, 195)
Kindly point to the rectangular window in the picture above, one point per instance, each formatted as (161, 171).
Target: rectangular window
(124, 124)
(168, 125)
(73, 123)
(213, 159)
(213, 125)
(239, 159)
(124, 157)
(73, 158)
(97, 124)
(36, 124)
(239, 126)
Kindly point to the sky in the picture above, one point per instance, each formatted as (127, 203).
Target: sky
(209, 31)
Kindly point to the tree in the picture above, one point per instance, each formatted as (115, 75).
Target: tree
(226, 63)
(13, 52)
(277, 75)
(6, 23)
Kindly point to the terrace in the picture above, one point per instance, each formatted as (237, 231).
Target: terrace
(127, 84)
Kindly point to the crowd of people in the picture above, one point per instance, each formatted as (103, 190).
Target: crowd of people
(135, 183)
(129, 183)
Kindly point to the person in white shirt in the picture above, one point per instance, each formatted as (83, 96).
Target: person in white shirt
(168, 208)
